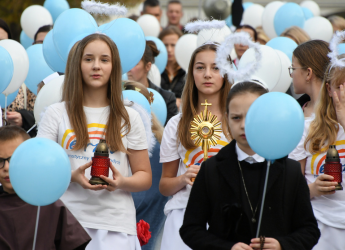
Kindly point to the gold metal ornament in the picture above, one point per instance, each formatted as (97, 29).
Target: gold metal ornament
(205, 130)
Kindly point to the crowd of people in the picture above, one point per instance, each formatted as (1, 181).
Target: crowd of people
(188, 203)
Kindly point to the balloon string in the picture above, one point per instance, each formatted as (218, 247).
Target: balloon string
(263, 198)
(35, 236)
(31, 128)
(5, 106)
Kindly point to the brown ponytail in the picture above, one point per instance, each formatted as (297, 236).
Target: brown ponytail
(151, 51)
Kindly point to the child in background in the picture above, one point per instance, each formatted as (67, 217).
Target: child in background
(57, 227)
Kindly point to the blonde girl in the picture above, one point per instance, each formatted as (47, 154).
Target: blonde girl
(180, 157)
(327, 128)
(92, 109)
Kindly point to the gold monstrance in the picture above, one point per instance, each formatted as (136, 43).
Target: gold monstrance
(205, 130)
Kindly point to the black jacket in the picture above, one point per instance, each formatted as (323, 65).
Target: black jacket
(216, 199)
(169, 99)
(177, 84)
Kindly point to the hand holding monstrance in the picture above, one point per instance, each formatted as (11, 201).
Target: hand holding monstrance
(205, 130)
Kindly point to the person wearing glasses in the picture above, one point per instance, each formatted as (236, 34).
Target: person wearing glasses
(309, 62)
(58, 228)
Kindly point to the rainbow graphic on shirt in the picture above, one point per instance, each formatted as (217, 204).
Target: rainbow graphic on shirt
(318, 160)
(95, 130)
(196, 156)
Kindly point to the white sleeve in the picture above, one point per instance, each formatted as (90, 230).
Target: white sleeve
(169, 145)
(137, 135)
(299, 153)
(49, 124)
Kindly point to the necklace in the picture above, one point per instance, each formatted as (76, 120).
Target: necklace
(245, 189)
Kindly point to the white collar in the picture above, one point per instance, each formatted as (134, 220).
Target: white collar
(248, 158)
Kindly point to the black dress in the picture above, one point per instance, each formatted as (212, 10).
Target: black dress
(217, 198)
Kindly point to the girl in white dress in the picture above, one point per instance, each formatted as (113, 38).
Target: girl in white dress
(92, 109)
(325, 129)
(180, 157)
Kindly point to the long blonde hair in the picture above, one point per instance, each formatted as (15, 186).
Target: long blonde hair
(190, 102)
(324, 128)
(118, 121)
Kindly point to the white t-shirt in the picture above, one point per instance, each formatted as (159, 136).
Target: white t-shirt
(112, 211)
(329, 209)
(172, 150)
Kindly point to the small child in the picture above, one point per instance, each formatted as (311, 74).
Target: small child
(57, 227)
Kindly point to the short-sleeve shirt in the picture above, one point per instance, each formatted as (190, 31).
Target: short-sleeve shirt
(112, 211)
(329, 209)
(172, 149)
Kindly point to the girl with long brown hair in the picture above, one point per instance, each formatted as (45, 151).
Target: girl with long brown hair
(325, 129)
(309, 63)
(180, 157)
(92, 109)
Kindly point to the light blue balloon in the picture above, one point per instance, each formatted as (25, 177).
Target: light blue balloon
(129, 39)
(137, 98)
(158, 106)
(274, 125)
(69, 25)
(6, 66)
(289, 14)
(162, 59)
(124, 77)
(10, 98)
(341, 48)
(56, 7)
(40, 171)
(246, 5)
(228, 21)
(38, 68)
(51, 56)
(284, 44)
(25, 40)
(307, 13)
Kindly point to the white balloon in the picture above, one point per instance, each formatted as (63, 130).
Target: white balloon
(184, 49)
(253, 15)
(319, 28)
(268, 18)
(312, 6)
(213, 35)
(154, 75)
(270, 69)
(284, 81)
(149, 25)
(49, 94)
(20, 64)
(33, 18)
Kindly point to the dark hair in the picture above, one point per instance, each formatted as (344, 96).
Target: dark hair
(170, 30)
(133, 17)
(150, 3)
(252, 86)
(45, 28)
(5, 27)
(150, 53)
(313, 54)
(12, 132)
(174, 1)
(246, 26)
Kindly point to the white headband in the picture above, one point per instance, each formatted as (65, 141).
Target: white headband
(204, 25)
(94, 7)
(338, 37)
(224, 51)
